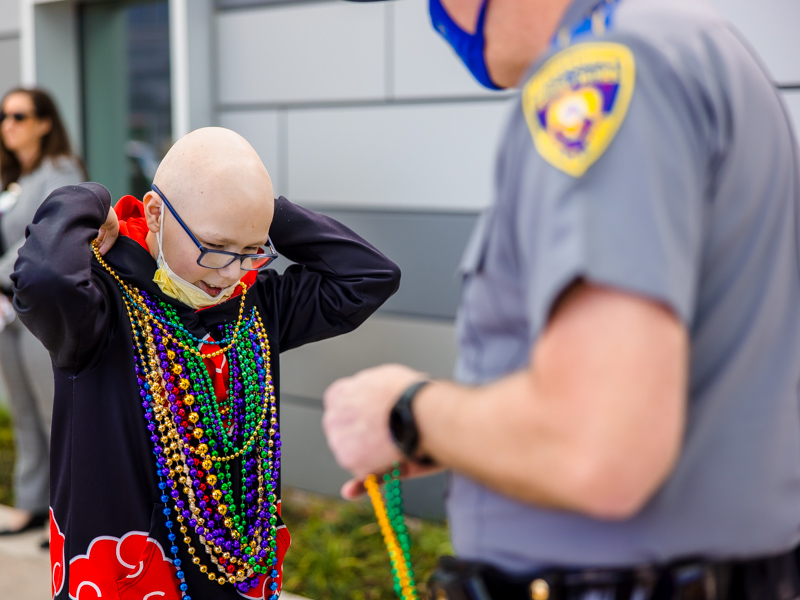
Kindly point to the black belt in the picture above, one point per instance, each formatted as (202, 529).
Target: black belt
(769, 578)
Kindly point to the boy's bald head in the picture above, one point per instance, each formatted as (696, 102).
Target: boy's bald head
(211, 164)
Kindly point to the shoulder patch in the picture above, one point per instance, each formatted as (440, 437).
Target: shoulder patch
(575, 103)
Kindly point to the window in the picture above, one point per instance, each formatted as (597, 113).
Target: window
(126, 90)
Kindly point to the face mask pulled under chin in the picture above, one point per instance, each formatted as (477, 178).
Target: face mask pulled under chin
(175, 286)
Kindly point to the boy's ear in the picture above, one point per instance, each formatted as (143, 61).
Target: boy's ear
(153, 205)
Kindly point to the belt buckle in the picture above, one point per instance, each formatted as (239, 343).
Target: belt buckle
(695, 581)
(539, 589)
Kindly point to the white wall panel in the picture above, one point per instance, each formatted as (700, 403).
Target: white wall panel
(792, 99)
(438, 156)
(308, 52)
(9, 16)
(425, 345)
(58, 68)
(772, 27)
(9, 66)
(424, 63)
(261, 129)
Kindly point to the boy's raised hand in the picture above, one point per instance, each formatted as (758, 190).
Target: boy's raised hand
(108, 232)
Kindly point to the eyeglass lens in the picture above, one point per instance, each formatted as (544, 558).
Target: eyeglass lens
(217, 260)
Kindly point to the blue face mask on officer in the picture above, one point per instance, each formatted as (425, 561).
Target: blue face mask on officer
(469, 46)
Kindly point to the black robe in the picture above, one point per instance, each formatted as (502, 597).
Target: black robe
(106, 513)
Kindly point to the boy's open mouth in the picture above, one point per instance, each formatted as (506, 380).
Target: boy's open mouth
(211, 290)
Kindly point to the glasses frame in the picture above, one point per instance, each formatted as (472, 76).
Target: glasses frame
(273, 254)
(17, 117)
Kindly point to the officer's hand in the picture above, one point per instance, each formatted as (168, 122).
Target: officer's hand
(356, 420)
(108, 232)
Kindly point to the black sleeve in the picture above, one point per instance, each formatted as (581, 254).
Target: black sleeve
(55, 293)
(338, 280)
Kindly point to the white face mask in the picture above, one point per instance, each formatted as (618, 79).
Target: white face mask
(175, 286)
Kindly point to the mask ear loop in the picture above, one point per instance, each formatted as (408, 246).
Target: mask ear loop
(159, 237)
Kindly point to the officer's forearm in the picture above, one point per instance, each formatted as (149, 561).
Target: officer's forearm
(592, 425)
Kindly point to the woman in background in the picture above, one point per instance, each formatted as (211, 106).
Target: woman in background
(35, 159)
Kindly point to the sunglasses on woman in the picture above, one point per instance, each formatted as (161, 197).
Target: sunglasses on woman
(18, 117)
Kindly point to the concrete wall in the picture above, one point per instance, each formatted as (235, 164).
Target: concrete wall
(9, 45)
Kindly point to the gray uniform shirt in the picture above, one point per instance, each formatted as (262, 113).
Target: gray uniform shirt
(34, 187)
(694, 204)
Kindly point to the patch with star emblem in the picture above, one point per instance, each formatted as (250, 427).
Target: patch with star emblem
(575, 103)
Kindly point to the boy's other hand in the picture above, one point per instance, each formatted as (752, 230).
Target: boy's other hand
(108, 232)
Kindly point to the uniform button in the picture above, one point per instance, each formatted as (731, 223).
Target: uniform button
(540, 590)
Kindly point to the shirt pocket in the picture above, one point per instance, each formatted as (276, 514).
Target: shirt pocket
(473, 258)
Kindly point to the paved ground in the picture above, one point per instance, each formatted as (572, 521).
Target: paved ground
(25, 567)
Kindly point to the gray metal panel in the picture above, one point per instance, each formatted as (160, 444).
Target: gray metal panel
(426, 246)
(58, 63)
(306, 372)
(9, 18)
(301, 52)
(425, 65)
(262, 129)
(425, 157)
(202, 67)
(306, 461)
(421, 344)
(9, 66)
(771, 27)
(792, 99)
(308, 464)
(228, 4)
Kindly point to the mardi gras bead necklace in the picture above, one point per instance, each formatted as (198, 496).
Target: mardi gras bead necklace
(230, 513)
(395, 533)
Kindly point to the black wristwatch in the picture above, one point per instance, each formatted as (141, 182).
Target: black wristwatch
(403, 426)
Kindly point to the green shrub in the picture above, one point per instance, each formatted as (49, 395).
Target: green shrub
(337, 549)
(6, 458)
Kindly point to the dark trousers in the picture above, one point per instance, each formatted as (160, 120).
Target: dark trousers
(769, 578)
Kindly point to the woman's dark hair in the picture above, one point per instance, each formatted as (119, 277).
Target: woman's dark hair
(55, 143)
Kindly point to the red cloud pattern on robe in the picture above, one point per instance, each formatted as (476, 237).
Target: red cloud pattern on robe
(128, 568)
(56, 556)
(134, 567)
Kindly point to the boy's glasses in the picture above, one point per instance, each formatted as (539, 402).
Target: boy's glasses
(218, 259)
(17, 117)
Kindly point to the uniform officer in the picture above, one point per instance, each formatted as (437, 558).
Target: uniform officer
(624, 416)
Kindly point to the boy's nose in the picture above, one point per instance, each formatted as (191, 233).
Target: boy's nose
(232, 271)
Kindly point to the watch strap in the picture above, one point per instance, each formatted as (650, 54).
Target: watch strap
(403, 426)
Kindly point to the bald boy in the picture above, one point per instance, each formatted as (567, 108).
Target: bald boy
(165, 323)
